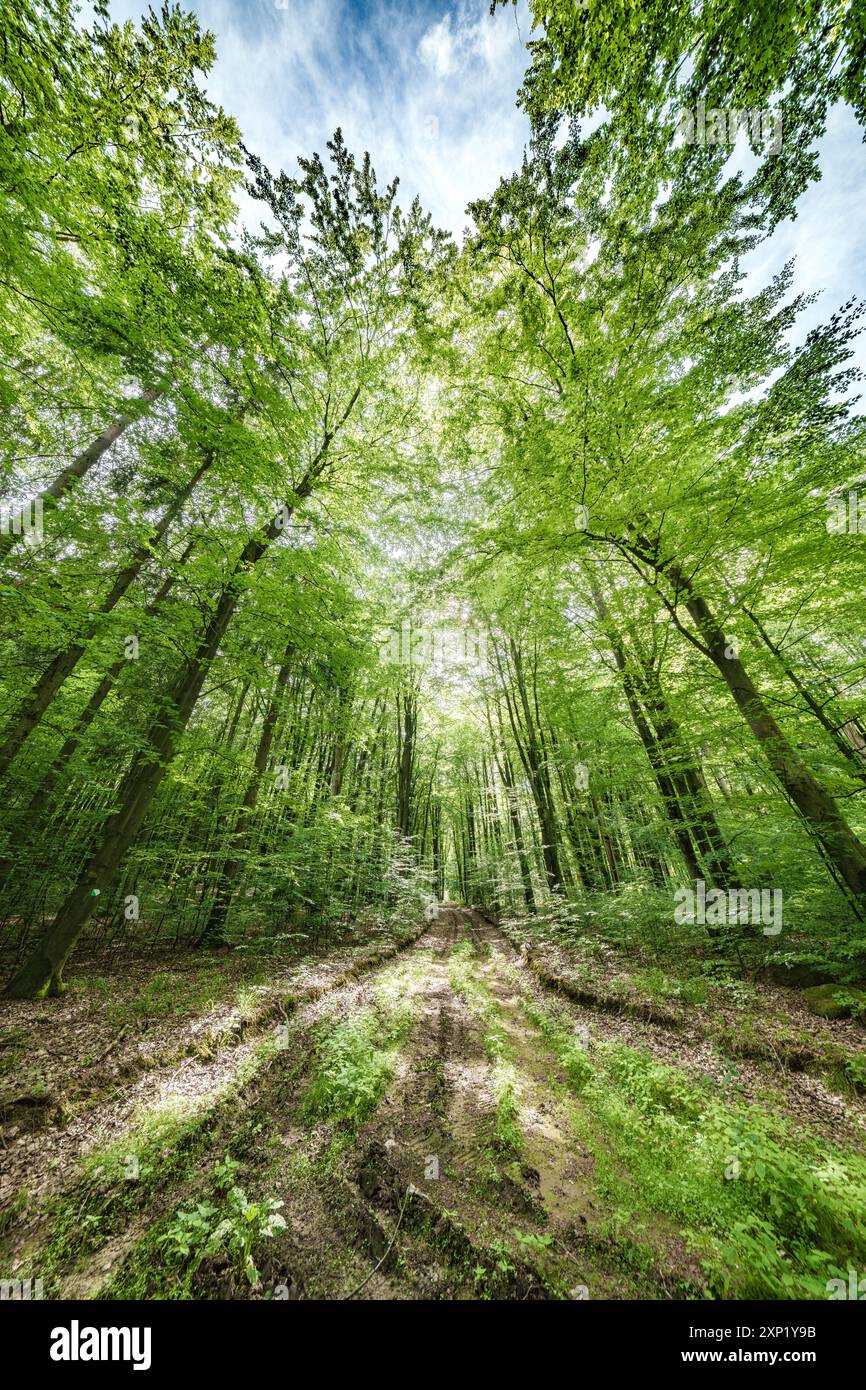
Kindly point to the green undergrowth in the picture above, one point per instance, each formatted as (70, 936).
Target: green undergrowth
(230, 1223)
(118, 1183)
(169, 993)
(772, 1214)
(356, 1059)
(706, 994)
(653, 982)
(638, 921)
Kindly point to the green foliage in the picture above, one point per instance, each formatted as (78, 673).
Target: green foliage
(355, 1059)
(235, 1225)
(352, 1072)
(658, 985)
(583, 435)
(647, 63)
(770, 1212)
(854, 1071)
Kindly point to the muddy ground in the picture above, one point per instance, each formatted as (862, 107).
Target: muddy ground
(441, 1157)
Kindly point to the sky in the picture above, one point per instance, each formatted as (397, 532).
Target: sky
(428, 87)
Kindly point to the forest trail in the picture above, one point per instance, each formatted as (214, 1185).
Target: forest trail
(413, 1123)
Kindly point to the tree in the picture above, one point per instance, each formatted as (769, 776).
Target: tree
(769, 70)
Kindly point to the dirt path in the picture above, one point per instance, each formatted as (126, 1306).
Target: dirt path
(416, 1132)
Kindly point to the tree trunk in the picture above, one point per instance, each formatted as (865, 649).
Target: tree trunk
(214, 931)
(82, 465)
(64, 663)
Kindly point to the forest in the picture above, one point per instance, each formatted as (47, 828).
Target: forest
(433, 683)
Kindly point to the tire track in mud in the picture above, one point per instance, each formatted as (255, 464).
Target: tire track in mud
(205, 1065)
(467, 1219)
(203, 1085)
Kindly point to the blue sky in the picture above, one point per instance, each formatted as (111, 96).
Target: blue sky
(428, 87)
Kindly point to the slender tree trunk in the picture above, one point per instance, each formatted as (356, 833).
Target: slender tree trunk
(64, 663)
(82, 465)
(632, 686)
(407, 722)
(689, 782)
(214, 931)
(527, 741)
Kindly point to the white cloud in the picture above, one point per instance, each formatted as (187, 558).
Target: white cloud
(433, 100)
(436, 48)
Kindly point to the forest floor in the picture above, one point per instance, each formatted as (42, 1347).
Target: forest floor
(457, 1113)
